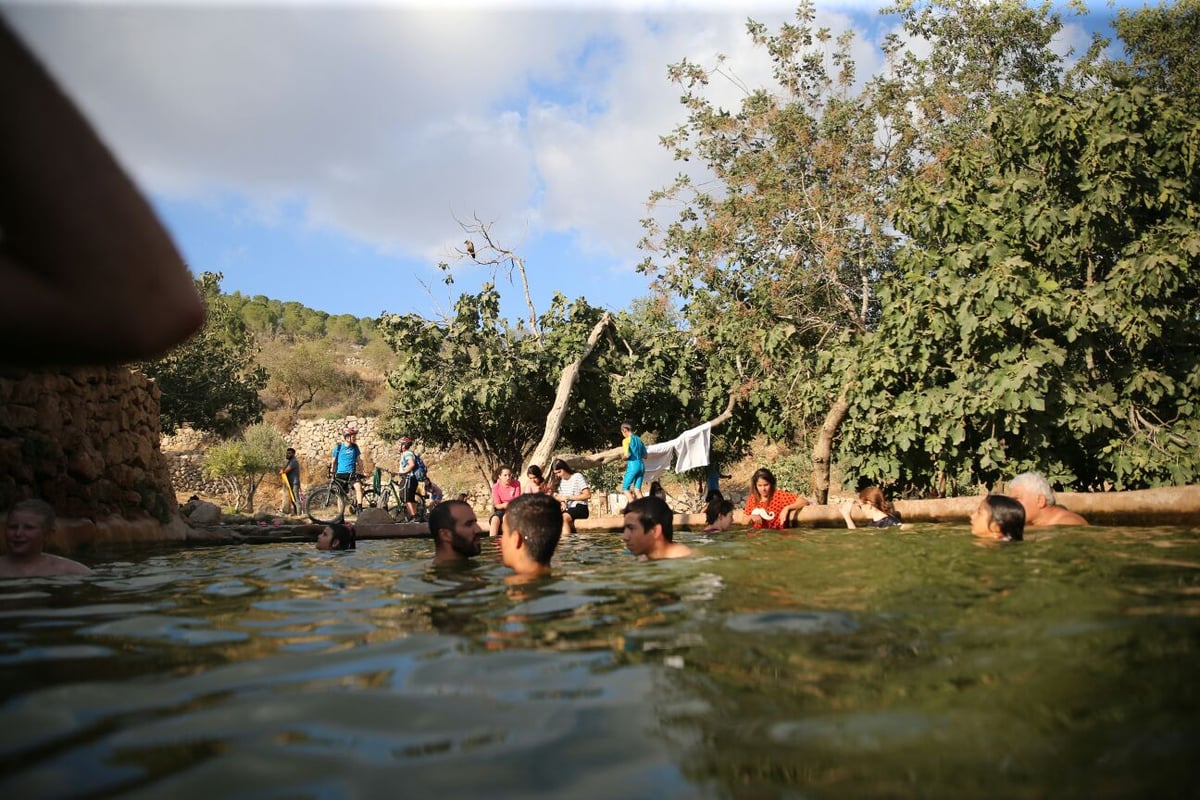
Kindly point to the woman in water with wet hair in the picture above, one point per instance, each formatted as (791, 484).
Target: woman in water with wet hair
(879, 511)
(999, 517)
(336, 537)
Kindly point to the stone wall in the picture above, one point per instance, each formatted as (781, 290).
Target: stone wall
(87, 441)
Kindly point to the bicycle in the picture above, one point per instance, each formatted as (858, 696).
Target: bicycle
(327, 505)
(394, 489)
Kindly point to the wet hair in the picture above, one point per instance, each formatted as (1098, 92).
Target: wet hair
(712, 506)
(39, 507)
(653, 511)
(539, 519)
(343, 537)
(873, 495)
(559, 463)
(442, 516)
(1008, 514)
(763, 472)
(1034, 482)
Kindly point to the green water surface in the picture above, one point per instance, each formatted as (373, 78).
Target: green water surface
(823, 663)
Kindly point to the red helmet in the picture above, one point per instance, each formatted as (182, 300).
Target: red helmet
(350, 431)
(405, 440)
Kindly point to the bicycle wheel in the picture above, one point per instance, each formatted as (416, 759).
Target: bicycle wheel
(325, 506)
(370, 498)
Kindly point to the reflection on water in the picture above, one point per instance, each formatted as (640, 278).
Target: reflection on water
(822, 664)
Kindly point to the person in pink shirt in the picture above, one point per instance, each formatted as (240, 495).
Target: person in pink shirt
(504, 491)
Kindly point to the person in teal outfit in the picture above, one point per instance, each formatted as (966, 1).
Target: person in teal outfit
(635, 462)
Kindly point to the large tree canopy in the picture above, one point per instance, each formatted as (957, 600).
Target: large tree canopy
(1047, 316)
(777, 260)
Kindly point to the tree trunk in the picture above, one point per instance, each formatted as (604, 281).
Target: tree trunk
(616, 454)
(566, 383)
(823, 450)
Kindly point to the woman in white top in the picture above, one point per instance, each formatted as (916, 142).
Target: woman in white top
(573, 492)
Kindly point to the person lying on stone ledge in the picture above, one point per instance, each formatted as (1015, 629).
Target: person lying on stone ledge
(29, 523)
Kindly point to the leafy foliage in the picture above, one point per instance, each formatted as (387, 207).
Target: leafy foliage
(1047, 317)
(243, 462)
(307, 372)
(488, 384)
(211, 380)
(777, 259)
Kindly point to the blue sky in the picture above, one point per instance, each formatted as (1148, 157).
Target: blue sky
(322, 152)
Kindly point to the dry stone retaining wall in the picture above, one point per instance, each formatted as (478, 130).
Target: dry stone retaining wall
(87, 441)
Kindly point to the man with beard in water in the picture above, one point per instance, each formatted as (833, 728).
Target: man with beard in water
(455, 532)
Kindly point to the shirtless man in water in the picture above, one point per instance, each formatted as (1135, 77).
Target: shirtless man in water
(1033, 491)
(649, 530)
(28, 523)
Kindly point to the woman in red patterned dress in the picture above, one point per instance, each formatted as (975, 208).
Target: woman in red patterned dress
(769, 507)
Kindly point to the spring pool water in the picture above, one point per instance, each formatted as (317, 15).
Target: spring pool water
(811, 663)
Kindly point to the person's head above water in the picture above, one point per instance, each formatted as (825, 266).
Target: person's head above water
(998, 517)
(336, 537)
(29, 523)
(649, 530)
(455, 531)
(530, 531)
(1033, 491)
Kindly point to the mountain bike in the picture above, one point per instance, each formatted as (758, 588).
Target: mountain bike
(328, 504)
(393, 492)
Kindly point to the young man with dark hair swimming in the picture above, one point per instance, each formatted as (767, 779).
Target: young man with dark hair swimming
(649, 530)
(530, 531)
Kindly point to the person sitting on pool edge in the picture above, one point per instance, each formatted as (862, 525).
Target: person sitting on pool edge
(573, 492)
(336, 537)
(29, 523)
(649, 530)
(455, 531)
(1032, 490)
(504, 490)
(999, 517)
(530, 530)
(769, 507)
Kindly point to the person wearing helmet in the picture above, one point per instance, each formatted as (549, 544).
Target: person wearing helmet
(347, 460)
(408, 467)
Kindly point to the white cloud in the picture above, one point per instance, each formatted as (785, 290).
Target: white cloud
(387, 122)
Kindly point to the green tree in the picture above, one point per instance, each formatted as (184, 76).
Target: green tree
(1047, 318)
(242, 463)
(345, 328)
(306, 372)
(777, 259)
(1160, 48)
(210, 381)
(476, 380)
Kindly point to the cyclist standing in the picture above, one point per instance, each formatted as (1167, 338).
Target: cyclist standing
(347, 460)
(409, 464)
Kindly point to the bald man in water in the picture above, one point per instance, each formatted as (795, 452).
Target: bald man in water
(25, 531)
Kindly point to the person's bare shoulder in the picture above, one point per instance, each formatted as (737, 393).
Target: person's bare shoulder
(1057, 515)
(47, 565)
